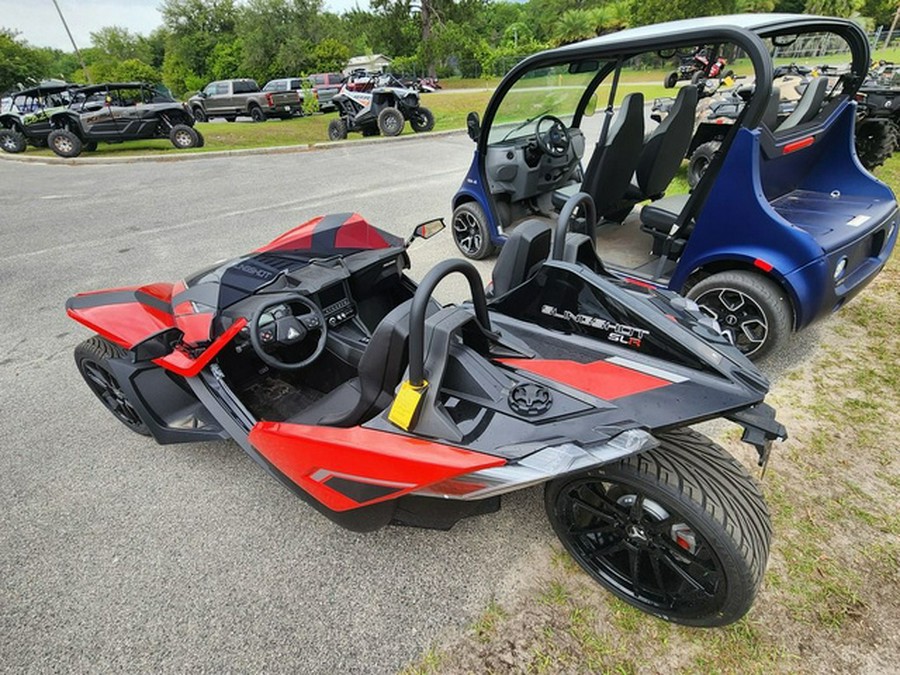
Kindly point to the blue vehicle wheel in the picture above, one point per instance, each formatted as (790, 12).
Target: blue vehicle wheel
(752, 310)
(470, 231)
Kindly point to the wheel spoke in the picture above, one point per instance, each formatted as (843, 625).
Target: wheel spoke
(612, 503)
(637, 508)
(657, 575)
(595, 510)
(609, 549)
(602, 529)
(672, 564)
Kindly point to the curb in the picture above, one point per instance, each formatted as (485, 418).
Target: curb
(216, 154)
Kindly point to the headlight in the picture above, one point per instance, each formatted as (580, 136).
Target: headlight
(840, 268)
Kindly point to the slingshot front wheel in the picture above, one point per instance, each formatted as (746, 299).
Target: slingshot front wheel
(92, 358)
(680, 531)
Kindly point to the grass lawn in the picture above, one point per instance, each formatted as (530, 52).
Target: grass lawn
(450, 108)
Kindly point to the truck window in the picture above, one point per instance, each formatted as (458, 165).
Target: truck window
(213, 88)
(245, 87)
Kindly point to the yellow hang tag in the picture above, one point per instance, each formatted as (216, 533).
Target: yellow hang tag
(406, 404)
(728, 81)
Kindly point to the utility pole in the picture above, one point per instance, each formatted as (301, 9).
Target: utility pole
(80, 57)
(890, 34)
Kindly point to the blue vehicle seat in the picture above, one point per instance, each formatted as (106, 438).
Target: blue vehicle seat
(522, 255)
(609, 172)
(809, 104)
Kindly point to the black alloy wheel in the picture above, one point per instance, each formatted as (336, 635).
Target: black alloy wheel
(681, 531)
(92, 357)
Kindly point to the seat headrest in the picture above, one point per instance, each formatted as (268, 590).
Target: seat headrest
(522, 255)
(808, 105)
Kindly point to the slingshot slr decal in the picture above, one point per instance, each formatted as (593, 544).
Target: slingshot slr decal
(615, 332)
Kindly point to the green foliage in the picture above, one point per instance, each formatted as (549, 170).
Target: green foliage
(310, 100)
(19, 63)
(330, 55)
(834, 7)
(225, 59)
(651, 11)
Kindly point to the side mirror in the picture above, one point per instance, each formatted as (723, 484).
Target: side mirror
(427, 229)
(473, 124)
(201, 94)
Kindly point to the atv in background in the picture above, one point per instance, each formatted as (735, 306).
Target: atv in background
(702, 64)
(383, 109)
(717, 113)
(116, 112)
(877, 117)
(28, 119)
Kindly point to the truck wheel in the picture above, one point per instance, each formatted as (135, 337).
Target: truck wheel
(391, 122)
(875, 142)
(257, 114)
(200, 114)
(12, 141)
(184, 137)
(337, 130)
(91, 358)
(699, 161)
(681, 531)
(752, 310)
(421, 119)
(470, 231)
(201, 141)
(64, 143)
(671, 80)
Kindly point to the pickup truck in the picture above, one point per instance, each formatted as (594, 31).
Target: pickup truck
(326, 86)
(232, 98)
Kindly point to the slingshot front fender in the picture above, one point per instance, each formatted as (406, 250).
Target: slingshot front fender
(345, 469)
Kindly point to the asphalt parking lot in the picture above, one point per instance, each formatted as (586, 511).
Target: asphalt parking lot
(119, 554)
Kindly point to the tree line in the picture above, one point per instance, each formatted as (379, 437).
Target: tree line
(204, 40)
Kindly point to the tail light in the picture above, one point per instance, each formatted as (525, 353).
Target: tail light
(270, 100)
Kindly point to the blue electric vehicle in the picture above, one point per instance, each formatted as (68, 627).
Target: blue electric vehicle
(784, 227)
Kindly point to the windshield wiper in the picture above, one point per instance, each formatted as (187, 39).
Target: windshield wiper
(526, 122)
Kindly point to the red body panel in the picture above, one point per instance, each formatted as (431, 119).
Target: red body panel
(354, 233)
(125, 323)
(311, 455)
(134, 314)
(182, 364)
(298, 238)
(600, 378)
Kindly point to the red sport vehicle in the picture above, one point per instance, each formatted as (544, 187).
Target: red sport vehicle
(375, 404)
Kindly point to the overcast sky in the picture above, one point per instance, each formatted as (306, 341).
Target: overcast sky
(38, 23)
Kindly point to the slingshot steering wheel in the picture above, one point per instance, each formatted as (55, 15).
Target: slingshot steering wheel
(284, 326)
(555, 140)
